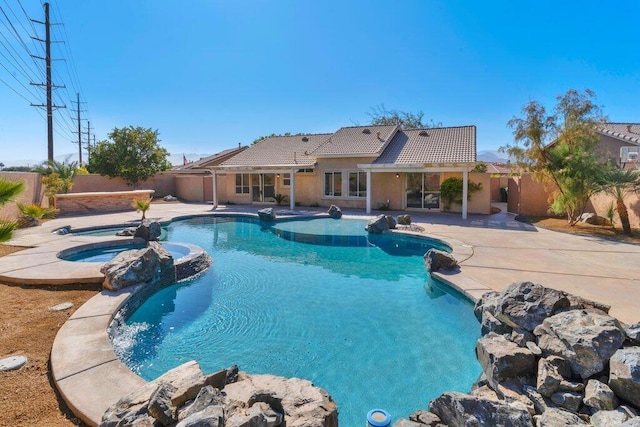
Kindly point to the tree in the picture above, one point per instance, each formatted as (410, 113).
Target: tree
(8, 191)
(619, 184)
(273, 135)
(58, 176)
(451, 191)
(132, 153)
(380, 116)
(143, 206)
(558, 148)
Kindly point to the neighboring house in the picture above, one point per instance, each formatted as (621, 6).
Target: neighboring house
(355, 167)
(620, 143)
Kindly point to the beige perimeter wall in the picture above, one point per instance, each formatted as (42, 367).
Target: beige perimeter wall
(162, 184)
(33, 192)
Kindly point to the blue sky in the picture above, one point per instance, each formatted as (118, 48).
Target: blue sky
(211, 74)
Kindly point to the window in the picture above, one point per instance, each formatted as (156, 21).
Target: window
(286, 180)
(305, 170)
(333, 184)
(242, 183)
(357, 184)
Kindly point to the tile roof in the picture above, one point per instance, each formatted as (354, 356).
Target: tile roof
(432, 145)
(498, 168)
(356, 140)
(279, 151)
(627, 131)
(212, 160)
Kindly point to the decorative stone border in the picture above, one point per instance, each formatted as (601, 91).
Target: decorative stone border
(99, 202)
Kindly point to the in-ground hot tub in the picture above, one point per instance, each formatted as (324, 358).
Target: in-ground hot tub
(189, 259)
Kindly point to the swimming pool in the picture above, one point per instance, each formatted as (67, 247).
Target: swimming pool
(355, 320)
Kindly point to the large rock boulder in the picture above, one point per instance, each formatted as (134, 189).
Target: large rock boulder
(633, 332)
(405, 219)
(624, 376)
(524, 305)
(334, 212)
(148, 230)
(436, 259)
(266, 214)
(378, 224)
(458, 409)
(555, 417)
(197, 399)
(599, 396)
(502, 359)
(610, 418)
(552, 371)
(152, 264)
(586, 340)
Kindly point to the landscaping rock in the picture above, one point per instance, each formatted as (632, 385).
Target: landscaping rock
(599, 396)
(391, 221)
(169, 198)
(436, 259)
(403, 422)
(62, 306)
(624, 376)
(211, 416)
(232, 374)
(609, 418)
(551, 372)
(554, 417)
(502, 359)
(334, 212)
(592, 218)
(586, 340)
(633, 332)
(490, 324)
(148, 230)
(632, 422)
(568, 400)
(488, 302)
(425, 418)
(539, 402)
(524, 305)
(405, 219)
(12, 363)
(152, 264)
(458, 409)
(208, 396)
(377, 225)
(159, 406)
(266, 214)
(127, 232)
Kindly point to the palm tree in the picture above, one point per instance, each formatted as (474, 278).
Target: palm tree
(620, 183)
(142, 206)
(64, 170)
(8, 190)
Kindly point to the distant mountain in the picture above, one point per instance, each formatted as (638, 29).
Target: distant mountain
(492, 156)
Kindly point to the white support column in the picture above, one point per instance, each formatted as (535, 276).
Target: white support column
(214, 181)
(292, 190)
(465, 192)
(368, 191)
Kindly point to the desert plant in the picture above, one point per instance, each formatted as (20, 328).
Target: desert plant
(280, 198)
(8, 191)
(451, 191)
(142, 205)
(619, 184)
(32, 214)
(384, 206)
(611, 211)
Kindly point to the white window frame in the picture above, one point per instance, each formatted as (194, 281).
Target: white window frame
(245, 183)
(324, 184)
(286, 180)
(359, 174)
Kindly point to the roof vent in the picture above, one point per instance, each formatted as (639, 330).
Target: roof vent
(305, 139)
(423, 133)
(629, 128)
(366, 130)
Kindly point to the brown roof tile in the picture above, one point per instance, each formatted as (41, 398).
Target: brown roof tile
(357, 140)
(432, 145)
(627, 131)
(279, 151)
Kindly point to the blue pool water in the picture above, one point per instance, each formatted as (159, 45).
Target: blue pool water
(108, 253)
(358, 321)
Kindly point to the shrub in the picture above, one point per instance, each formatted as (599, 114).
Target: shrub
(451, 191)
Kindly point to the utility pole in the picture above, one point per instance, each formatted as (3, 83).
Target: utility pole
(79, 130)
(49, 85)
(89, 137)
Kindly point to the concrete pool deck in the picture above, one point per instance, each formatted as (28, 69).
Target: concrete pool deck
(493, 251)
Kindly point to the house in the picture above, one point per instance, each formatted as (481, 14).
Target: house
(619, 143)
(361, 167)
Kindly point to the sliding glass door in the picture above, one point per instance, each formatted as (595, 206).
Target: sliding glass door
(263, 187)
(423, 190)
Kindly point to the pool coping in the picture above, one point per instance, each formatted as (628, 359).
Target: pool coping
(82, 357)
